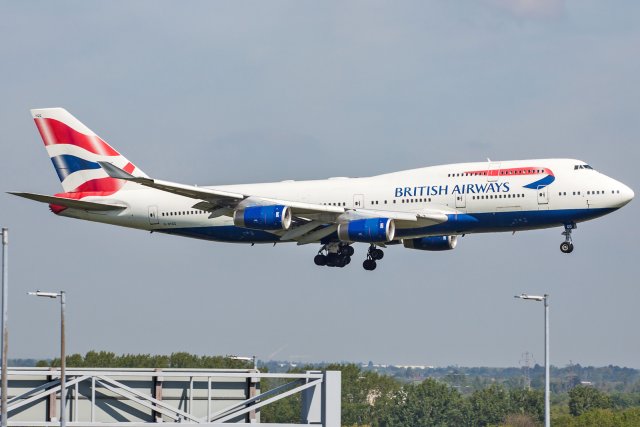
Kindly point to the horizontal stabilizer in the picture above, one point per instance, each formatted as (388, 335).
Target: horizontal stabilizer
(69, 203)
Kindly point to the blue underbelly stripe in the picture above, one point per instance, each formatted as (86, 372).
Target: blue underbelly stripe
(460, 223)
(225, 233)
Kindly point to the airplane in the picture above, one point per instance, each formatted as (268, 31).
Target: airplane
(423, 209)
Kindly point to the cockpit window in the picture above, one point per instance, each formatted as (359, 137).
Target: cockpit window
(582, 167)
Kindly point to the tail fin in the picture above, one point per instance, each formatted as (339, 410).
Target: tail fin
(75, 151)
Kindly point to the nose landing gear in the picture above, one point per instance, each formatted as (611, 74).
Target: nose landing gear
(567, 246)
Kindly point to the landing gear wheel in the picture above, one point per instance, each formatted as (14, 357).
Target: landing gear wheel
(333, 260)
(320, 260)
(566, 247)
(377, 254)
(369, 264)
(347, 250)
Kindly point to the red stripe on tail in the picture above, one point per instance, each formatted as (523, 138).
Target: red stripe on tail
(56, 132)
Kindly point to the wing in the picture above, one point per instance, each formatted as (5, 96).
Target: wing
(70, 203)
(314, 221)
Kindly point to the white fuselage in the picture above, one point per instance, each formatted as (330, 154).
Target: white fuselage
(478, 197)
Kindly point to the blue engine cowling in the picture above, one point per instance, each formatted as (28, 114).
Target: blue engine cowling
(275, 217)
(432, 243)
(370, 230)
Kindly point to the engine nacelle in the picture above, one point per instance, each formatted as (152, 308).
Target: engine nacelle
(370, 230)
(275, 217)
(432, 243)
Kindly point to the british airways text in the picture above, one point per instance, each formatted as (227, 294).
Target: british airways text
(443, 190)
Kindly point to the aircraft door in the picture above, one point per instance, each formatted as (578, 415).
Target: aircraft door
(153, 215)
(461, 200)
(492, 173)
(543, 196)
(358, 201)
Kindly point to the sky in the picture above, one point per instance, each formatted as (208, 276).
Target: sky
(236, 92)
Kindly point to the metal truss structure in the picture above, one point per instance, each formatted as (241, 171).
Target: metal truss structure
(138, 397)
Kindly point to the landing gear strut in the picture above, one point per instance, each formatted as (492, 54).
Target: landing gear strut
(373, 254)
(567, 246)
(334, 255)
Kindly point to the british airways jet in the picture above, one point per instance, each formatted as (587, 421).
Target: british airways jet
(425, 209)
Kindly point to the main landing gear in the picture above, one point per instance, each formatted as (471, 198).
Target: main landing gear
(373, 254)
(567, 246)
(337, 255)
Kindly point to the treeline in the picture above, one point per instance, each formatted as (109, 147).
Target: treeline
(106, 359)
(370, 398)
(469, 379)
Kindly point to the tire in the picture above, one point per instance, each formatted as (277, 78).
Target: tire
(333, 260)
(347, 250)
(320, 260)
(377, 254)
(570, 248)
(369, 264)
(566, 247)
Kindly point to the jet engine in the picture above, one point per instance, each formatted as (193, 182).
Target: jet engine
(370, 230)
(432, 243)
(275, 217)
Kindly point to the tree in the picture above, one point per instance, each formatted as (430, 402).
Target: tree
(367, 396)
(519, 420)
(489, 405)
(583, 398)
(428, 404)
(527, 402)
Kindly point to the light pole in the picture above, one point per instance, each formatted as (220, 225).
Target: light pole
(545, 299)
(5, 333)
(63, 391)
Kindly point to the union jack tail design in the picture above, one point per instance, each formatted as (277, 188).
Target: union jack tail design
(75, 151)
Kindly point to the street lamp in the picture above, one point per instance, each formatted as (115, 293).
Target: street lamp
(545, 299)
(4, 341)
(63, 391)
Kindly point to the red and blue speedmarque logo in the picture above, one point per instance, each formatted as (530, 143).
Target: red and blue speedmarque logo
(523, 171)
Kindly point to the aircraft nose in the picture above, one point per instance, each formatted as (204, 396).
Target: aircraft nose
(625, 196)
(628, 194)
